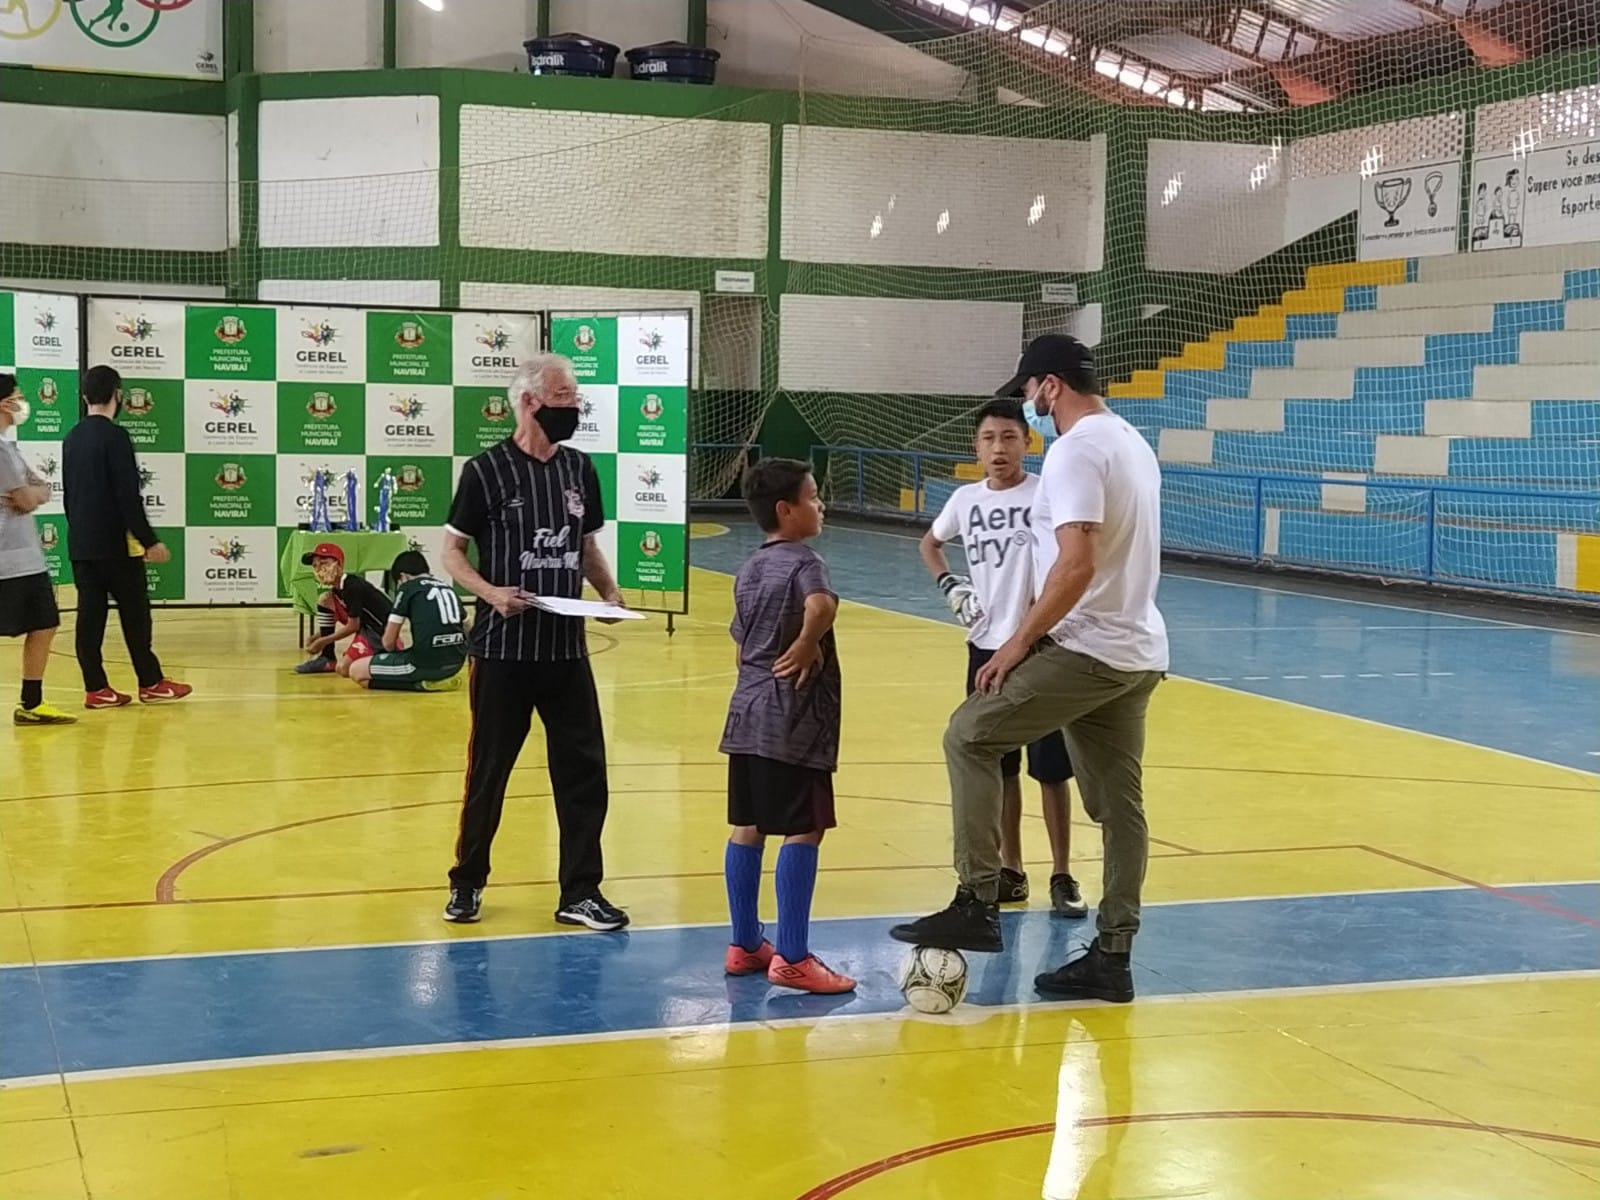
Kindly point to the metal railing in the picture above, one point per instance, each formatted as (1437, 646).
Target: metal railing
(1455, 534)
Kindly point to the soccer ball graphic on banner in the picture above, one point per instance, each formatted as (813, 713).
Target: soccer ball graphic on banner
(934, 981)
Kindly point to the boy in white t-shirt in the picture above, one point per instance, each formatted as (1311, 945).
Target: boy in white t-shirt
(1086, 657)
(992, 521)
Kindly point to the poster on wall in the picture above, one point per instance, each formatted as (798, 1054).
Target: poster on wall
(1545, 198)
(179, 39)
(1411, 212)
(39, 345)
(633, 373)
(237, 410)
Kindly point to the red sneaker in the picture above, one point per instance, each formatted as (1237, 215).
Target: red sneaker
(749, 962)
(810, 974)
(106, 698)
(166, 690)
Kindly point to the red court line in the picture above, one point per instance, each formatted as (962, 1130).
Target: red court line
(1528, 901)
(843, 1183)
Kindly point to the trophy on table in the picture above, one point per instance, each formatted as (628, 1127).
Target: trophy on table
(352, 494)
(320, 521)
(385, 492)
(1391, 195)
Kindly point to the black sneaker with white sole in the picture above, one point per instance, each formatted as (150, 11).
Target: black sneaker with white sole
(466, 905)
(594, 911)
(968, 924)
(1065, 898)
(1013, 887)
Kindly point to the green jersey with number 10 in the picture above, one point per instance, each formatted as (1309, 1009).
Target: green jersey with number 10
(434, 610)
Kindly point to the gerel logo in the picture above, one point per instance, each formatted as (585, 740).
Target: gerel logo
(410, 409)
(652, 342)
(46, 338)
(497, 341)
(232, 552)
(651, 492)
(320, 334)
(138, 329)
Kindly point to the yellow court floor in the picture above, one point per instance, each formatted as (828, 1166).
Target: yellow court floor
(1369, 968)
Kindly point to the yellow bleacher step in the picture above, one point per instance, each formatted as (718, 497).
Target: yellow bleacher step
(1357, 274)
(1314, 300)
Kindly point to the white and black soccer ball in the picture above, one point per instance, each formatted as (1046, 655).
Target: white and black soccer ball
(934, 981)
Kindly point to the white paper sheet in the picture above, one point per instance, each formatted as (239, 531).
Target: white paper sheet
(585, 608)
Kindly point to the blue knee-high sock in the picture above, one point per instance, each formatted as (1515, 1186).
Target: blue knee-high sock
(741, 867)
(797, 879)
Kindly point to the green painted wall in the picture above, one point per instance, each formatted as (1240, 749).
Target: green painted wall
(1196, 303)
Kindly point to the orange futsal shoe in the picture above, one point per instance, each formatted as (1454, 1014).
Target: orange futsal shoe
(810, 974)
(749, 962)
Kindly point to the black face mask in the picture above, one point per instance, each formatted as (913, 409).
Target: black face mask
(559, 424)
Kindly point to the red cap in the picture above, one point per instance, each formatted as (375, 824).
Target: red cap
(323, 550)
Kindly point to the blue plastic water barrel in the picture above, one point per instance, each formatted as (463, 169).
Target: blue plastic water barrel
(674, 62)
(571, 54)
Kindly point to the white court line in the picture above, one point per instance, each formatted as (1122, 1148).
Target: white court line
(977, 1015)
(1438, 737)
(417, 943)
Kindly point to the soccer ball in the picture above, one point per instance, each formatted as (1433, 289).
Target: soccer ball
(934, 981)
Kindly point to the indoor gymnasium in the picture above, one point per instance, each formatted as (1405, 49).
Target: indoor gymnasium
(769, 467)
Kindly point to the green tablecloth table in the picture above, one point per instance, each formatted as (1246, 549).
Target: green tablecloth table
(363, 552)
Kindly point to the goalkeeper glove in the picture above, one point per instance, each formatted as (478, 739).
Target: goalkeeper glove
(962, 598)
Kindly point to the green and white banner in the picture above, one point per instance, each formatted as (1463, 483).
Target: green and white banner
(177, 38)
(236, 409)
(633, 382)
(39, 345)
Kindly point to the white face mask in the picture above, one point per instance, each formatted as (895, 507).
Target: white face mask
(21, 410)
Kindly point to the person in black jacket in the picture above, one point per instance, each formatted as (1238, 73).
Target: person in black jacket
(110, 540)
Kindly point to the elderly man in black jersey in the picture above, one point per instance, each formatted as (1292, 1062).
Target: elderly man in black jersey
(533, 507)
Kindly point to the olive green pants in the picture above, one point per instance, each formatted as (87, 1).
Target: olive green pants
(1101, 711)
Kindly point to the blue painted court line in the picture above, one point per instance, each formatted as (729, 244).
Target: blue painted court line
(1520, 688)
(146, 1012)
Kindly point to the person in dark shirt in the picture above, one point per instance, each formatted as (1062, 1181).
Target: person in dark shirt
(533, 507)
(782, 731)
(109, 539)
(438, 639)
(360, 609)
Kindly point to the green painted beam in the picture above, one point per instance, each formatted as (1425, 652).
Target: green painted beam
(541, 18)
(239, 38)
(24, 85)
(391, 41)
(697, 23)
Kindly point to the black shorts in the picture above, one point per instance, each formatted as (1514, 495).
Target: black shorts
(27, 604)
(1048, 761)
(778, 798)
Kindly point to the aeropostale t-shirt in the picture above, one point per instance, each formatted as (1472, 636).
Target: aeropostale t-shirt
(995, 529)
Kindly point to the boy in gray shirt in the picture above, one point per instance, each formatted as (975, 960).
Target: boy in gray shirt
(782, 733)
(27, 600)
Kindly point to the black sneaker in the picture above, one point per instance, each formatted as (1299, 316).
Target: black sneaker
(1013, 887)
(1065, 898)
(1094, 976)
(466, 905)
(968, 924)
(594, 911)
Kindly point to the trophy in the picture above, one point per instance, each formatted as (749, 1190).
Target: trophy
(351, 494)
(320, 522)
(385, 491)
(1391, 194)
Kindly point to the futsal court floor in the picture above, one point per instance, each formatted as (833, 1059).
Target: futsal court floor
(1370, 964)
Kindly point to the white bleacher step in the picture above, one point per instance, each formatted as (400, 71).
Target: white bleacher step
(1452, 293)
(1515, 381)
(1244, 416)
(1316, 353)
(1191, 446)
(1344, 497)
(1583, 314)
(1486, 264)
(1555, 346)
(1478, 418)
(1293, 383)
(1403, 454)
(1417, 322)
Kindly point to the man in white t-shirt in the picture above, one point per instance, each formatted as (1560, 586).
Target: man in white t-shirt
(1086, 658)
(992, 519)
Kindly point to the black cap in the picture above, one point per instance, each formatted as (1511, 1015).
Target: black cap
(1048, 354)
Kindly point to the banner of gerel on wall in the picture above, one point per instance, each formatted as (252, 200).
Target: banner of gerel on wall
(235, 409)
(1411, 212)
(633, 373)
(39, 345)
(177, 38)
(1544, 198)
